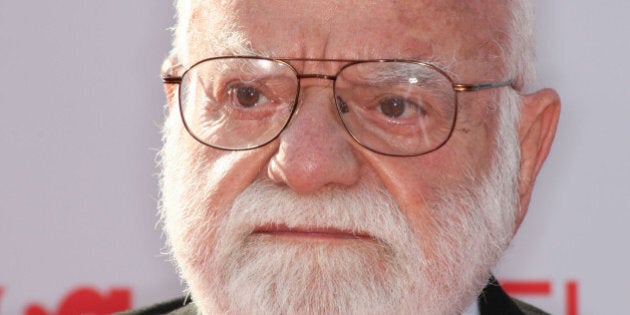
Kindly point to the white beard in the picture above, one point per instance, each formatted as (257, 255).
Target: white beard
(230, 270)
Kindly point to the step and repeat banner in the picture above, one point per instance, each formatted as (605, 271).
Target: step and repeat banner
(82, 103)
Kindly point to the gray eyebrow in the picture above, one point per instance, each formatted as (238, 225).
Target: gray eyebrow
(398, 74)
(393, 73)
(242, 66)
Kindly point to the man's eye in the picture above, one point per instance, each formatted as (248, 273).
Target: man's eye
(245, 96)
(392, 107)
(395, 107)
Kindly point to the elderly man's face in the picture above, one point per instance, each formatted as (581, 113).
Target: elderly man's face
(315, 223)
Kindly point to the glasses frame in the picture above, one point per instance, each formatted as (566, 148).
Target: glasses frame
(172, 76)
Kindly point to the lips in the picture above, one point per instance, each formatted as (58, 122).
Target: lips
(310, 232)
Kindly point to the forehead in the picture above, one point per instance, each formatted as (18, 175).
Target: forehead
(445, 31)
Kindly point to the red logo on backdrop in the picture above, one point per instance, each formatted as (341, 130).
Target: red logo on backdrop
(543, 288)
(87, 300)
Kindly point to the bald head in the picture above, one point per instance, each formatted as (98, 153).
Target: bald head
(503, 29)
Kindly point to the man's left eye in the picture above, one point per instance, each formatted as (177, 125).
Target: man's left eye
(395, 107)
(392, 107)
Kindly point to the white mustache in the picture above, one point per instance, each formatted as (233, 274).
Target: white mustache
(358, 211)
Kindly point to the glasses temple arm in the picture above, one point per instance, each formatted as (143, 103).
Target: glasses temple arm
(483, 86)
(170, 74)
(171, 80)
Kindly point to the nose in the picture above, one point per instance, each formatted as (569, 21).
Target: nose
(314, 150)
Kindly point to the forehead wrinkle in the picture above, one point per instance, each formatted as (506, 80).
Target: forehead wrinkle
(213, 31)
(228, 37)
(481, 27)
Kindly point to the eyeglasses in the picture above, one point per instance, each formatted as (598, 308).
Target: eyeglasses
(393, 107)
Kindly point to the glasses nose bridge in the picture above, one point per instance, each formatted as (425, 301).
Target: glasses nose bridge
(320, 76)
(316, 76)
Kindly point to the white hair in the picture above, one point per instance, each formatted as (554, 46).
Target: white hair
(520, 52)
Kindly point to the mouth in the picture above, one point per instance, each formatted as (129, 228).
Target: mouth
(306, 233)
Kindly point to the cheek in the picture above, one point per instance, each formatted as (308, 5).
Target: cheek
(412, 182)
(417, 182)
(199, 184)
(218, 176)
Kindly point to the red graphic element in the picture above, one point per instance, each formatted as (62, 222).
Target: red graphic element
(571, 297)
(87, 300)
(1, 292)
(527, 287)
(543, 288)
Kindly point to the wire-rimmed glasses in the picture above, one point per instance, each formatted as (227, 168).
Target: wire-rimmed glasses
(390, 106)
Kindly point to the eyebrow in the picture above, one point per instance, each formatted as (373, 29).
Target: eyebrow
(396, 74)
(446, 68)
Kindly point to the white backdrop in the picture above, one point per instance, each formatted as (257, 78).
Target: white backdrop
(81, 102)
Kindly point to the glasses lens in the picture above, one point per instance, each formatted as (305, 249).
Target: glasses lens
(237, 103)
(398, 108)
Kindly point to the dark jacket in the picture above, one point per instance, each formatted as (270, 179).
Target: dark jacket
(492, 301)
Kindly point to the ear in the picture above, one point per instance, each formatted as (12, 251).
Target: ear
(169, 89)
(540, 112)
